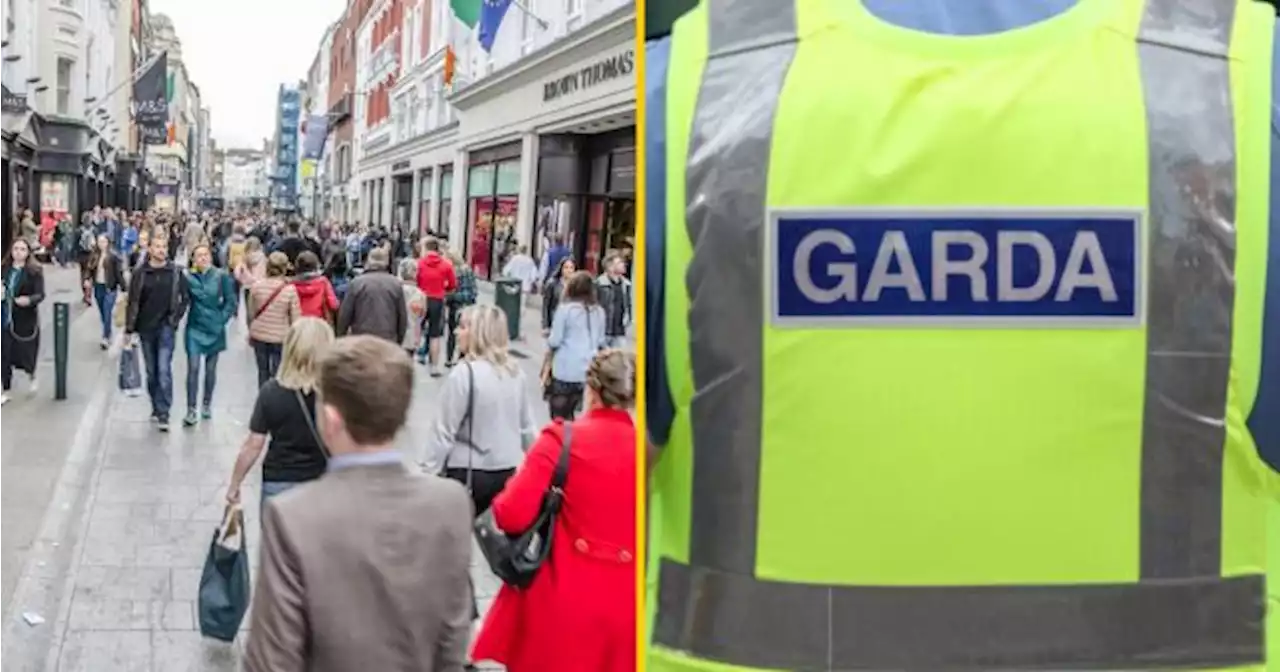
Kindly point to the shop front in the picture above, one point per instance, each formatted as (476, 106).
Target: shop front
(20, 140)
(401, 195)
(493, 199)
(586, 195)
(67, 168)
(549, 150)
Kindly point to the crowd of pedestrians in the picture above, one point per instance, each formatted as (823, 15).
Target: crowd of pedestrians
(336, 319)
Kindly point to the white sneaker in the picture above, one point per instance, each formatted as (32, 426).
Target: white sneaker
(34, 386)
(4, 398)
(133, 393)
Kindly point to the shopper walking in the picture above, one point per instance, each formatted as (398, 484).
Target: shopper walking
(366, 568)
(315, 294)
(458, 300)
(579, 613)
(212, 295)
(415, 305)
(577, 333)
(285, 412)
(553, 290)
(103, 276)
(485, 421)
(273, 307)
(157, 303)
(375, 302)
(23, 292)
(614, 291)
(436, 279)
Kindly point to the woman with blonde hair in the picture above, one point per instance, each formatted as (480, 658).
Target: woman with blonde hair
(579, 612)
(285, 411)
(273, 306)
(485, 422)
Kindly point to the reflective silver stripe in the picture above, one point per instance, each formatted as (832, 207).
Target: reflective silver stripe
(1191, 260)
(727, 165)
(1180, 615)
(1154, 625)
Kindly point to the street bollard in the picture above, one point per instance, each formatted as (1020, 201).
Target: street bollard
(61, 323)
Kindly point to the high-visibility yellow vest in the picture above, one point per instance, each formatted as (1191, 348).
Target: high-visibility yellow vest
(962, 334)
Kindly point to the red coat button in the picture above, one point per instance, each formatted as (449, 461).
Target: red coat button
(625, 556)
(581, 545)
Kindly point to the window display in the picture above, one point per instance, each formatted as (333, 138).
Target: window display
(493, 199)
(446, 203)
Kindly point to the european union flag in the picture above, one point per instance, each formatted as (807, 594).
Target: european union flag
(491, 15)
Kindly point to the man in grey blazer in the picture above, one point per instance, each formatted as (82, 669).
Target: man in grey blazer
(367, 567)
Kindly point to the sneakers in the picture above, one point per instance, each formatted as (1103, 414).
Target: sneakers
(4, 398)
(104, 344)
(206, 413)
(133, 392)
(162, 424)
(34, 386)
(436, 371)
(191, 419)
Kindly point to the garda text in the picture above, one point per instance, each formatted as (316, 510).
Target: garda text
(1056, 268)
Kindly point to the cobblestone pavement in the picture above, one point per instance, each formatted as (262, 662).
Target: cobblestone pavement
(115, 568)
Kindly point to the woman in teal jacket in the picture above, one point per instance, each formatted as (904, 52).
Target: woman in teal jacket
(213, 303)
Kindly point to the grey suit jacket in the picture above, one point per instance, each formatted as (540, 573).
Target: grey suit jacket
(364, 570)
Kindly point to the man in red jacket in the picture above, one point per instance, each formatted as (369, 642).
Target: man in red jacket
(436, 279)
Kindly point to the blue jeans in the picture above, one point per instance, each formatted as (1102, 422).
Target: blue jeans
(157, 353)
(268, 358)
(272, 488)
(193, 378)
(106, 302)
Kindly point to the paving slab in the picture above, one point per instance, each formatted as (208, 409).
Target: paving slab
(133, 539)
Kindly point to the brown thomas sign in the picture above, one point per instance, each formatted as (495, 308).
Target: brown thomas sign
(613, 67)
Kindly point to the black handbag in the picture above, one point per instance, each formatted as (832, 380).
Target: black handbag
(516, 558)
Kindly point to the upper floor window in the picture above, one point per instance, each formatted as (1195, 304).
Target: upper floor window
(573, 14)
(529, 27)
(63, 103)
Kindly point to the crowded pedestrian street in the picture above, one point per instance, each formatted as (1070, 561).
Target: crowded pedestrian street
(107, 521)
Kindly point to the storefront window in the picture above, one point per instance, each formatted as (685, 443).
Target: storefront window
(493, 198)
(424, 202)
(446, 202)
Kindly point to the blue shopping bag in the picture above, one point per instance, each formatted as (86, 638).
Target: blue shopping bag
(130, 371)
(224, 584)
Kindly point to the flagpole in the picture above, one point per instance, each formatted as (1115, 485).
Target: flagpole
(542, 23)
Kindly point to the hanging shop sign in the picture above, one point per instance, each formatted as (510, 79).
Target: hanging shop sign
(13, 102)
(605, 70)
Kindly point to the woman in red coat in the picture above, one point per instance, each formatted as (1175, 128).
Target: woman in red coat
(579, 615)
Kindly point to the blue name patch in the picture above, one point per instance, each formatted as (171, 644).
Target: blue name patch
(1059, 268)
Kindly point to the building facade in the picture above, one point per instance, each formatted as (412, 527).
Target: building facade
(344, 197)
(246, 177)
(284, 190)
(534, 141)
(315, 188)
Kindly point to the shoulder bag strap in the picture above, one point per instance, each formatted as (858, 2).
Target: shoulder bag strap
(267, 304)
(561, 474)
(468, 418)
(311, 424)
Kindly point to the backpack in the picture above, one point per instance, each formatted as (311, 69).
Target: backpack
(87, 239)
(235, 254)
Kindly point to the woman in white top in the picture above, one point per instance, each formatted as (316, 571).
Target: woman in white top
(485, 423)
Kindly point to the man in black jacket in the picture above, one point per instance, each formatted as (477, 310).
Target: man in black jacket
(375, 302)
(157, 304)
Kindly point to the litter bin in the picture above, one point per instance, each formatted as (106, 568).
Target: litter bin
(507, 295)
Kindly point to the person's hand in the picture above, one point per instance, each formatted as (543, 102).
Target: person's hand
(87, 285)
(233, 494)
(23, 301)
(546, 333)
(132, 340)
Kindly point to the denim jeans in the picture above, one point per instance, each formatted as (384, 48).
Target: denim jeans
(157, 354)
(193, 378)
(106, 301)
(268, 356)
(271, 489)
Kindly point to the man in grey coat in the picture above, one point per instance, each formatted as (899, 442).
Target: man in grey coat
(366, 568)
(374, 303)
